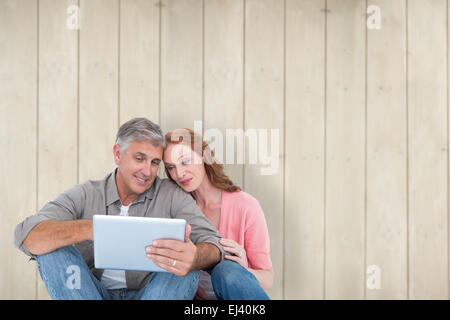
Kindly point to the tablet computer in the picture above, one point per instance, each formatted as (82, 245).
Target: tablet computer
(120, 241)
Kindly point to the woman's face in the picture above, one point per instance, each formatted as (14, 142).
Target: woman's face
(185, 166)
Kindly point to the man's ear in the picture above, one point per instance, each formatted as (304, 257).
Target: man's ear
(116, 153)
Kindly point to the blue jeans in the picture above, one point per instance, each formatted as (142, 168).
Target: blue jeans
(231, 281)
(67, 276)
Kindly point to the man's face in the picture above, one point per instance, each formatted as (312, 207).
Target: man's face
(137, 168)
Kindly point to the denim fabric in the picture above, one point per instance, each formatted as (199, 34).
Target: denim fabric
(67, 277)
(231, 281)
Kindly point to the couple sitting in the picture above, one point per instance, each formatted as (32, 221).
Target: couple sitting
(225, 254)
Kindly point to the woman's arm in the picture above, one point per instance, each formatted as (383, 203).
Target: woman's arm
(239, 255)
(264, 276)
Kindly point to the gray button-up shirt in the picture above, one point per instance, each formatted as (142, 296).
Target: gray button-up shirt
(164, 199)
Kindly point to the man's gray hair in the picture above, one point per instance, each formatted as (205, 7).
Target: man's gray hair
(139, 129)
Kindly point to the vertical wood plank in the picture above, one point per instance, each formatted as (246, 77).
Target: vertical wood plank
(224, 33)
(98, 87)
(386, 152)
(139, 59)
(264, 90)
(304, 194)
(18, 135)
(427, 113)
(58, 99)
(181, 63)
(345, 150)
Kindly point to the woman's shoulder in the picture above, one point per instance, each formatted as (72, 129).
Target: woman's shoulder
(241, 201)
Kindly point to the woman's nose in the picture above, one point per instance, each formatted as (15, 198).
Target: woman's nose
(180, 172)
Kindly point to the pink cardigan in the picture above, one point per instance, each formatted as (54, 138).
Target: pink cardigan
(242, 219)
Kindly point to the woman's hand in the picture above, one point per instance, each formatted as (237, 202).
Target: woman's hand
(238, 253)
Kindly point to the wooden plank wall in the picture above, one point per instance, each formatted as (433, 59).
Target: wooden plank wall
(19, 138)
(361, 116)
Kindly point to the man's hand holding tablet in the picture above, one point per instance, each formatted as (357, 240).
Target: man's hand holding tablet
(174, 256)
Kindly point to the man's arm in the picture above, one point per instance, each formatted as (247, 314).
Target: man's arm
(208, 255)
(54, 225)
(50, 235)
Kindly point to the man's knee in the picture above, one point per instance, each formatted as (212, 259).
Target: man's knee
(173, 280)
(62, 253)
(194, 276)
(60, 263)
(67, 276)
(168, 286)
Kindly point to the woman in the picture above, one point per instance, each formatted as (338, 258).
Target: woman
(236, 215)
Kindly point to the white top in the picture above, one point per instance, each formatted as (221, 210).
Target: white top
(115, 279)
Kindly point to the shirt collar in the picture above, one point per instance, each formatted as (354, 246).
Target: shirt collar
(112, 194)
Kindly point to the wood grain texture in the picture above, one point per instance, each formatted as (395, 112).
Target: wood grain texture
(18, 140)
(427, 136)
(362, 115)
(58, 104)
(264, 110)
(181, 63)
(345, 147)
(224, 82)
(99, 66)
(139, 59)
(305, 138)
(386, 152)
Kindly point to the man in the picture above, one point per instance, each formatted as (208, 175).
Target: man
(60, 235)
